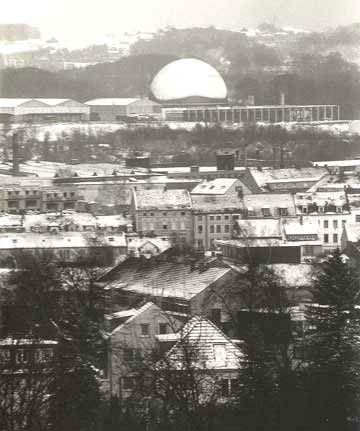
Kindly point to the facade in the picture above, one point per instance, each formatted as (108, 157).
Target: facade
(330, 212)
(163, 213)
(269, 206)
(42, 110)
(214, 218)
(131, 340)
(121, 109)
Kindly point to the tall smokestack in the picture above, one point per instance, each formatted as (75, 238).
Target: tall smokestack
(15, 151)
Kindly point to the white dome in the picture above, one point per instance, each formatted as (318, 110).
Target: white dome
(188, 77)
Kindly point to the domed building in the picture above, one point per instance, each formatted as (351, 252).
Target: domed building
(188, 82)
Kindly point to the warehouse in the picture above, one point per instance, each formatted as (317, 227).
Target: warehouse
(120, 109)
(42, 110)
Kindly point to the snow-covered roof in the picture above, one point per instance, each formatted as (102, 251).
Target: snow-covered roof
(217, 203)
(218, 186)
(270, 200)
(212, 348)
(267, 176)
(162, 199)
(301, 229)
(113, 101)
(135, 314)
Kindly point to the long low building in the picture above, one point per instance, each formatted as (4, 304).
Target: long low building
(241, 114)
(42, 110)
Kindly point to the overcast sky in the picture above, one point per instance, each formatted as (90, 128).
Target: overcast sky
(91, 18)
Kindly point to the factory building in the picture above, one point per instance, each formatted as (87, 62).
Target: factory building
(42, 110)
(120, 109)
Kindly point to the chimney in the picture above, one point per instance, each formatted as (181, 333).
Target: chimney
(282, 99)
(15, 159)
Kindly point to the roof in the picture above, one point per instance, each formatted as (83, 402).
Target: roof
(65, 240)
(297, 228)
(121, 101)
(267, 176)
(15, 102)
(162, 279)
(258, 201)
(294, 275)
(218, 186)
(341, 163)
(259, 228)
(214, 203)
(213, 349)
(134, 314)
(337, 198)
(188, 77)
(162, 199)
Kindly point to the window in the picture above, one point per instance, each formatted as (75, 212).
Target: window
(283, 211)
(339, 209)
(308, 250)
(326, 238)
(227, 228)
(326, 224)
(218, 228)
(144, 214)
(22, 356)
(220, 354)
(72, 194)
(152, 214)
(226, 217)
(335, 238)
(212, 229)
(218, 217)
(200, 243)
(144, 329)
(304, 210)
(128, 383)
(164, 214)
(183, 213)
(65, 194)
(266, 212)
(357, 218)
(343, 222)
(43, 355)
(229, 387)
(236, 217)
(335, 224)
(165, 227)
(128, 355)
(199, 217)
(211, 217)
(4, 356)
(200, 229)
(163, 328)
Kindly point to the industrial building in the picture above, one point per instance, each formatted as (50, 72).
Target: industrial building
(252, 114)
(120, 109)
(42, 110)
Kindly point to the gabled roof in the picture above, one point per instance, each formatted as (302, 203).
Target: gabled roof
(15, 102)
(218, 186)
(212, 348)
(133, 314)
(267, 176)
(162, 199)
(162, 279)
(119, 101)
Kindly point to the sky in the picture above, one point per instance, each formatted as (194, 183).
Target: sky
(84, 19)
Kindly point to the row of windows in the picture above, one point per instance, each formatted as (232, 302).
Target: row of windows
(48, 195)
(154, 214)
(215, 228)
(330, 208)
(335, 224)
(26, 356)
(335, 238)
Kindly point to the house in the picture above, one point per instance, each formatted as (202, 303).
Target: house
(214, 217)
(222, 186)
(290, 179)
(176, 286)
(271, 241)
(163, 212)
(131, 338)
(212, 357)
(329, 211)
(269, 205)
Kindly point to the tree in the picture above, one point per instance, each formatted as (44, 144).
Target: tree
(333, 349)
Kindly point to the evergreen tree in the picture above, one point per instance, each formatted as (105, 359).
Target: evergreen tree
(333, 372)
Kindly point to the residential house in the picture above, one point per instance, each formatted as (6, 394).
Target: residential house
(163, 212)
(131, 340)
